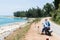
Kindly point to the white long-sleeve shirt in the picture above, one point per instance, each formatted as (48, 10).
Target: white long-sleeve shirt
(45, 24)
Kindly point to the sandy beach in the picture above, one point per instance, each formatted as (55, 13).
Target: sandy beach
(8, 29)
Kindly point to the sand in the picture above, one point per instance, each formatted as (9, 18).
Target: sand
(9, 28)
(35, 33)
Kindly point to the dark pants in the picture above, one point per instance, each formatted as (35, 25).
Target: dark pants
(46, 30)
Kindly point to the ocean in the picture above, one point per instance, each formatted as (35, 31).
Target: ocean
(6, 20)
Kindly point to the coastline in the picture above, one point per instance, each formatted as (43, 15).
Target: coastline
(7, 29)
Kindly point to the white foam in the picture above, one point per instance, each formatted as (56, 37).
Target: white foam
(8, 29)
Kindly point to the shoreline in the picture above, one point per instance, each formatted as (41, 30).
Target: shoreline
(9, 22)
(12, 23)
(8, 29)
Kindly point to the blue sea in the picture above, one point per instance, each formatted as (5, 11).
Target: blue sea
(6, 20)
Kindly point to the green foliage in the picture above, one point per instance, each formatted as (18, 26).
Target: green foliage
(48, 8)
(32, 13)
(20, 14)
(56, 16)
(56, 3)
(37, 20)
(56, 13)
(35, 12)
(17, 14)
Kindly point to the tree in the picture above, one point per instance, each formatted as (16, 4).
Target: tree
(48, 8)
(35, 12)
(32, 13)
(17, 14)
(56, 3)
(20, 14)
(39, 12)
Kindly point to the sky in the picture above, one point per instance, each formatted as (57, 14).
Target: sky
(8, 7)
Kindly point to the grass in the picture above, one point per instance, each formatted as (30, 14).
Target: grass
(54, 21)
(19, 34)
(36, 20)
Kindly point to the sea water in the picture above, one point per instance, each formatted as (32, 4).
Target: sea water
(6, 20)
